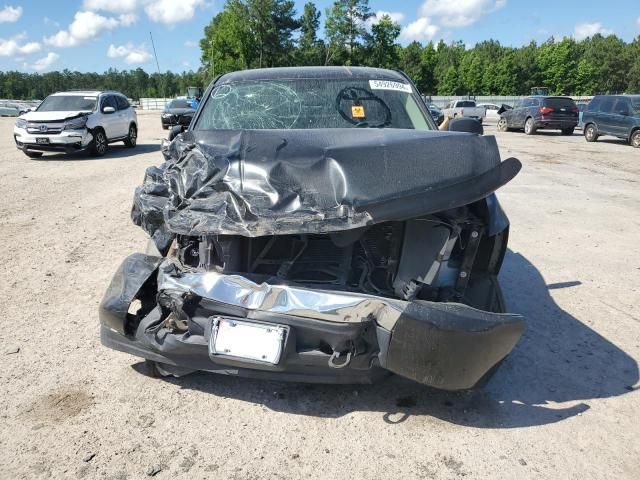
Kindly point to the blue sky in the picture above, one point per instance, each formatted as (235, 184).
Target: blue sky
(94, 35)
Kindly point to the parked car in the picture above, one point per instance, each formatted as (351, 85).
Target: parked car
(533, 113)
(76, 121)
(9, 110)
(313, 225)
(491, 110)
(178, 112)
(436, 114)
(464, 108)
(617, 115)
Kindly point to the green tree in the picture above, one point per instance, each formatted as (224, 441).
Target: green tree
(345, 29)
(310, 48)
(382, 50)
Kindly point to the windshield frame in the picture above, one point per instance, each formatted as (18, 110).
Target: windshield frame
(206, 97)
(97, 98)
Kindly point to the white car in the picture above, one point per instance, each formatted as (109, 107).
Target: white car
(491, 110)
(76, 121)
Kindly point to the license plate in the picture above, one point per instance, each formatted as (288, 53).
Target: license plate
(42, 140)
(258, 342)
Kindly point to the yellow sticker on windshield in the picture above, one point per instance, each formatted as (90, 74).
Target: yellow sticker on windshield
(357, 111)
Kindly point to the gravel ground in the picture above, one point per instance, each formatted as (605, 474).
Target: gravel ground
(563, 405)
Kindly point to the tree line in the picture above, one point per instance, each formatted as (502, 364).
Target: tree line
(133, 83)
(270, 33)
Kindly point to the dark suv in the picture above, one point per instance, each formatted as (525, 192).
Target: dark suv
(617, 115)
(532, 113)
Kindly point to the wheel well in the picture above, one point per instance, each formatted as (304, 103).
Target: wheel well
(134, 124)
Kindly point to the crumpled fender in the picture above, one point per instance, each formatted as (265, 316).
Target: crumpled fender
(130, 277)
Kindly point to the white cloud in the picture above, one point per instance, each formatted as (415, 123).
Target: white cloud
(10, 14)
(422, 30)
(190, 44)
(396, 17)
(12, 46)
(459, 13)
(638, 22)
(85, 26)
(130, 53)
(115, 6)
(584, 30)
(127, 19)
(172, 11)
(160, 11)
(45, 62)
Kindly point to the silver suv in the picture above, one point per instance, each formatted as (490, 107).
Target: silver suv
(76, 121)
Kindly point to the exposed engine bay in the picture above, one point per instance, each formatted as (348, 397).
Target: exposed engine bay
(423, 258)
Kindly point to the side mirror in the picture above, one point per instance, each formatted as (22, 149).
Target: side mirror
(108, 110)
(624, 113)
(175, 131)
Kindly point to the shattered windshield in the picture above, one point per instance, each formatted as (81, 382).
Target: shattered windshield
(67, 103)
(312, 103)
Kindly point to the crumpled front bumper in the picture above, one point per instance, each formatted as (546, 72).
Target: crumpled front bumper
(66, 141)
(445, 345)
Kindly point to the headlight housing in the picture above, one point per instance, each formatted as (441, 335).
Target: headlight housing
(76, 124)
(21, 123)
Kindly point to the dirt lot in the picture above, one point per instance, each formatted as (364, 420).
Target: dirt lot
(564, 404)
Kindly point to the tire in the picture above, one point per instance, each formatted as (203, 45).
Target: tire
(590, 133)
(132, 138)
(502, 125)
(99, 145)
(31, 154)
(567, 131)
(529, 127)
(634, 140)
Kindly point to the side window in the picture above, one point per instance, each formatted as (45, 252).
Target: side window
(123, 103)
(607, 105)
(622, 107)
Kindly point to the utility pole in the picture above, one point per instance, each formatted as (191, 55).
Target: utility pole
(153, 45)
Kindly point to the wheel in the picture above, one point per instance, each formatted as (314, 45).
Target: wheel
(131, 140)
(31, 154)
(502, 125)
(529, 127)
(567, 131)
(590, 133)
(165, 127)
(634, 141)
(99, 146)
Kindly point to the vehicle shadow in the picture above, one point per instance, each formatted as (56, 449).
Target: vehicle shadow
(115, 151)
(559, 359)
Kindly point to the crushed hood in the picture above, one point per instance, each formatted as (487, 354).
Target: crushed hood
(266, 182)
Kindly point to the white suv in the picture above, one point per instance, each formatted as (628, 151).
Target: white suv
(76, 121)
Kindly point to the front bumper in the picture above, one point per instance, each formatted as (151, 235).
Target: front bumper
(66, 141)
(445, 345)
